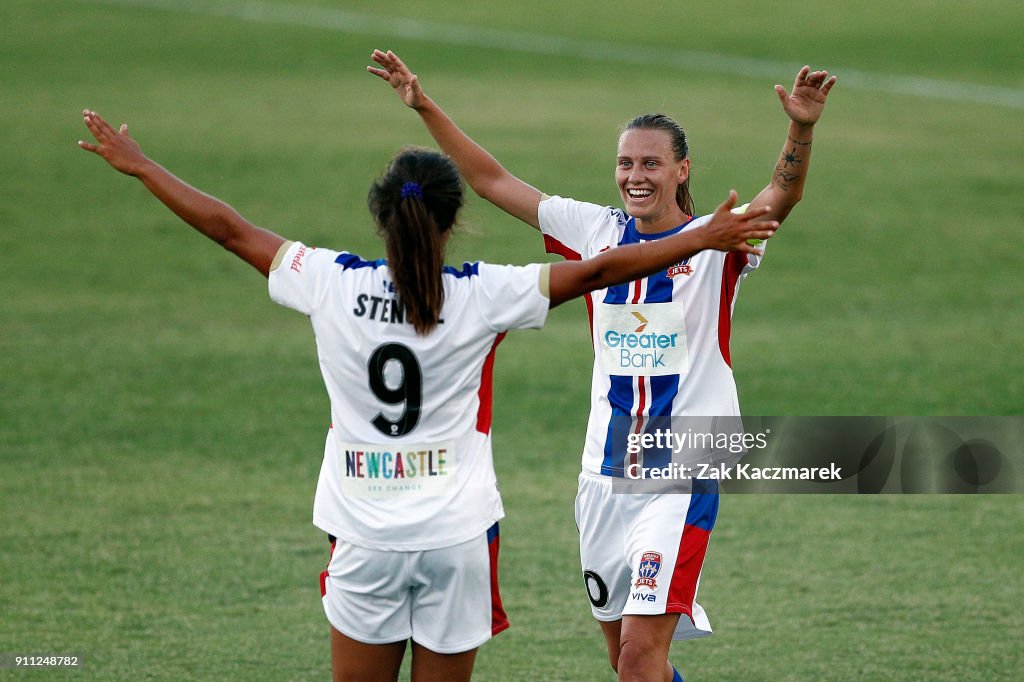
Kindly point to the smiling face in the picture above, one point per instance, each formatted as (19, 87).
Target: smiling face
(648, 175)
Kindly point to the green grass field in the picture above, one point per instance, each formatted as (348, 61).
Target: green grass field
(162, 422)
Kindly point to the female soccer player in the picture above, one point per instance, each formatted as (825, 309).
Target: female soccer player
(406, 345)
(641, 554)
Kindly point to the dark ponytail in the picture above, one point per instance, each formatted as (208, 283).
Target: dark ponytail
(680, 150)
(415, 203)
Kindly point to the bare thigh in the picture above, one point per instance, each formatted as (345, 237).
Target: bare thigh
(354, 661)
(430, 666)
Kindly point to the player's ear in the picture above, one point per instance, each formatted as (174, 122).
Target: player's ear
(684, 170)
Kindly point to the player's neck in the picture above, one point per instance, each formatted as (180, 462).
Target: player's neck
(669, 221)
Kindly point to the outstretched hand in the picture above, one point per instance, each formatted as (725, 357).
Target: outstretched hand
(115, 146)
(805, 104)
(397, 74)
(728, 231)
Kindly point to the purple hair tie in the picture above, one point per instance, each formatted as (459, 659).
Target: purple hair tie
(412, 189)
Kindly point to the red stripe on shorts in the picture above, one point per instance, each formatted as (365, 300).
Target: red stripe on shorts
(693, 545)
(499, 621)
(323, 575)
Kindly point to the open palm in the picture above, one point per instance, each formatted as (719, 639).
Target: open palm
(397, 74)
(810, 90)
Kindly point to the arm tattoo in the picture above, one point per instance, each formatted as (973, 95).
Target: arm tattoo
(806, 144)
(783, 178)
(791, 158)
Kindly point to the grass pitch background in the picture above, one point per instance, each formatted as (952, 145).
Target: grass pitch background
(162, 420)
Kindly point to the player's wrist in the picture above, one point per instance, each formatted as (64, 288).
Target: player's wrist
(424, 106)
(142, 169)
(801, 133)
(703, 236)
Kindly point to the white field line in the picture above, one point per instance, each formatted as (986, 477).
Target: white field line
(326, 18)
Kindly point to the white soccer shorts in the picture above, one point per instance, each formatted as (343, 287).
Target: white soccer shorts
(642, 554)
(443, 599)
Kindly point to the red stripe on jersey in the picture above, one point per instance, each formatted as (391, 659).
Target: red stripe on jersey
(484, 395)
(640, 406)
(590, 314)
(640, 383)
(693, 545)
(552, 245)
(735, 261)
(636, 291)
(499, 621)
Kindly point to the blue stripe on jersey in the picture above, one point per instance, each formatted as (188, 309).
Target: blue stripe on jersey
(659, 288)
(492, 533)
(655, 457)
(662, 390)
(659, 285)
(352, 261)
(619, 294)
(620, 396)
(468, 270)
(703, 504)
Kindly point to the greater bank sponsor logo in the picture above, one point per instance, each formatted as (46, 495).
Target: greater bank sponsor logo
(642, 339)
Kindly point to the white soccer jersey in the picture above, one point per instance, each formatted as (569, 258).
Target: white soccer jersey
(661, 343)
(407, 465)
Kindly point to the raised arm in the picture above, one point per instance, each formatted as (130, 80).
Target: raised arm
(726, 231)
(205, 213)
(485, 175)
(803, 106)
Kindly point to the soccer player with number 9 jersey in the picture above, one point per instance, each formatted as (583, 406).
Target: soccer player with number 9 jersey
(406, 348)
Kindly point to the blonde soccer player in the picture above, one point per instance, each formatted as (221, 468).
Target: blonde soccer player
(661, 346)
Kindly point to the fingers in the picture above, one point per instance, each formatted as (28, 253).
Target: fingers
(389, 60)
(385, 60)
(781, 92)
(395, 60)
(99, 128)
(801, 76)
(751, 239)
(752, 214)
(399, 66)
(93, 125)
(391, 65)
(108, 130)
(729, 203)
(762, 229)
(381, 58)
(102, 131)
(818, 80)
